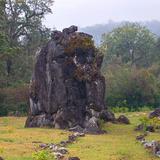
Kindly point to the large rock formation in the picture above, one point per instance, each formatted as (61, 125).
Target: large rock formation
(67, 88)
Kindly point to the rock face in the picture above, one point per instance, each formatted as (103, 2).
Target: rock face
(67, 88)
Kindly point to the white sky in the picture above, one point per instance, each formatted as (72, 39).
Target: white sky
(89, 12)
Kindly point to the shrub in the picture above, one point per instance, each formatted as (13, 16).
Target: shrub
(145, 109)
(42, 155)
(145, 121)
(120, 109)
(101, 124)
(14, 100)
(133, 87)
(155, 122)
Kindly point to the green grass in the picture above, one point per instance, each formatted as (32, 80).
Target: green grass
(118, 144)
(16, 142)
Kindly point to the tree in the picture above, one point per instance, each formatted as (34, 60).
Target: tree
(132, 87)
(157, 59)
(4, 45)
(25, 18)
(3, 38)
(132, 43)
(22, 33)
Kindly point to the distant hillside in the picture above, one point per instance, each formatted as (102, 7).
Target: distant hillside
(98, 29)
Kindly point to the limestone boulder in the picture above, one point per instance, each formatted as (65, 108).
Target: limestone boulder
(67, 88)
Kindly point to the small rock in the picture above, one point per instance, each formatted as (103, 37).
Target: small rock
(58, 155)
(76, 129)
(92, 127)
(139, 127)
(73, 158)
(123, 119)
(148, 145)
(77, 134)
(71, 138)
(158, 154)
(63, 143)
(143, 141)
(62, 150)
(141, 137)
(107, 116)
(43, 145)
(150, 129)
(55, 148)
(155, 113)
(52, 146)
(156, 147)
(37, 142)
(151, 146)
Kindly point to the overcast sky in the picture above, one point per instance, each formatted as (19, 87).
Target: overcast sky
(89, 12)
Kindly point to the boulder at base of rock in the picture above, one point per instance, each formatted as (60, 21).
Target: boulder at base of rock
(77, 129)
(123, 119)
(107, 116)
(67, 88)
(92, 127)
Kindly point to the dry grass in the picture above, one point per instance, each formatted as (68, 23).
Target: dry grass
(118, 144)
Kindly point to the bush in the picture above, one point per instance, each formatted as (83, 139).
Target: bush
(14, 100)
(101, 124)
(145, 121)
(132, 88)
(120, 109)
(145, 109)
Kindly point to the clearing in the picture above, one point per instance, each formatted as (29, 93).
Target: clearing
(17, 142)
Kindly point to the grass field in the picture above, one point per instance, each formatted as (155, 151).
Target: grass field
(16, 142)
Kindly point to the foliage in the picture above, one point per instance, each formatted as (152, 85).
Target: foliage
(14, 100)
(155, 122)
(145, 121)
(131, 67)
(120, 109)
(101, 124)
(145, 109)
(43, 155)
(132, 43)
(21, 36)
(132, 87)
